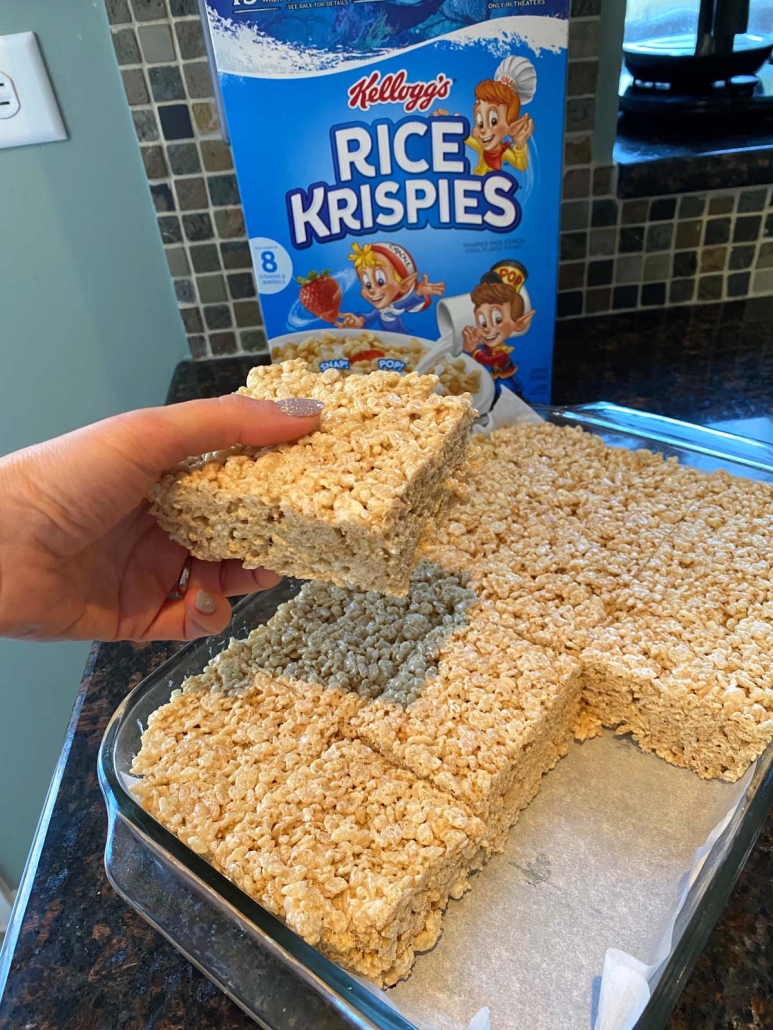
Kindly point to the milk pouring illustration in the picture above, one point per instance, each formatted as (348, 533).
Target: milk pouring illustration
(409, 219)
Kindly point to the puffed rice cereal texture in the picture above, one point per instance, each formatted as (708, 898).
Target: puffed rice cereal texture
(352, 761)
(346, 504)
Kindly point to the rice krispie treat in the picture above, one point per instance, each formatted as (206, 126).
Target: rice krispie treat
(362, 641)
(692, 691)
(357, 856)
(353, 760)
(347, 503)
(717, 565)
(556, 524)
(498, 714)
(207, 758)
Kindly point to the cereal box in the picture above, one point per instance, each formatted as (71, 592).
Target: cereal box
(399, 163)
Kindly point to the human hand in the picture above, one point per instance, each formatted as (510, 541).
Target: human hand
(81, 558)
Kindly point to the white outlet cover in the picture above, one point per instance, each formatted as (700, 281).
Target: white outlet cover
(25, 85)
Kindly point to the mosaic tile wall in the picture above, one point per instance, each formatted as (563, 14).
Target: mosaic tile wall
(615, 255)
(159, 45)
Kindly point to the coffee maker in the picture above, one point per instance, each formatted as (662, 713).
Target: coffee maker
(712, 62)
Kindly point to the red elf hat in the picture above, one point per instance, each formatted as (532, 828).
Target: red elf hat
(397, 256)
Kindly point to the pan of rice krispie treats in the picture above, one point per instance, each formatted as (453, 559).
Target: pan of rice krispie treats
(353, 759)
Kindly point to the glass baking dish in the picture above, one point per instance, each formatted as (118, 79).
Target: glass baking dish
(273, 975)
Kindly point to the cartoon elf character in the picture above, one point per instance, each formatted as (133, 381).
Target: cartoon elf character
(391, 285)
(499, 132)
(499, 314)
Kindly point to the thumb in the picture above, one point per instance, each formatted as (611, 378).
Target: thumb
(100, 473)
(162, 437)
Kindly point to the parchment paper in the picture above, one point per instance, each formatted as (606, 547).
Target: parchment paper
(596, 862)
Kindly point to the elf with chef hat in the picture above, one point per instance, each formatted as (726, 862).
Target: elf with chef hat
(499, 131)
(391, 285)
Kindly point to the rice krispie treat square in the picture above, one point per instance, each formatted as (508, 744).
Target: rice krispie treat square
(358, 857)
(716, 566)
(557, 524)
(693, 692)
(347, 503)
(208, 756)
(498, 714)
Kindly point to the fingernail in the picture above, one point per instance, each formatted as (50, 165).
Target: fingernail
(300, 407)
(205, 603)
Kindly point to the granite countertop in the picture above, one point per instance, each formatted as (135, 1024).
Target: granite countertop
(78, 957)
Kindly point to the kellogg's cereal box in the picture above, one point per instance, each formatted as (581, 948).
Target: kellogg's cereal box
(400, 166)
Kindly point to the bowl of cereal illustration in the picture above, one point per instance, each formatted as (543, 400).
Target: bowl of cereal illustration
(357, 351)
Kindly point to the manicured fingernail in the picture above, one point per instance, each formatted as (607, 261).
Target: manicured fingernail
(205, 603)
(300, 407)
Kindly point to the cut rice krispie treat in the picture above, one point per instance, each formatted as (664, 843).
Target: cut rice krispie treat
(550, 609)
(207, 758)
(357, 856)
(558, 525)
(694, 693)
(353, 760)
(498, 714)
(347, 503)
(717, 565)
(362, 641)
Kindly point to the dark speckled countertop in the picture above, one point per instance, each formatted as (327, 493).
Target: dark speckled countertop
(78, 957)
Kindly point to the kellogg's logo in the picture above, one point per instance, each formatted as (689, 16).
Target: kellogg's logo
(394, 89)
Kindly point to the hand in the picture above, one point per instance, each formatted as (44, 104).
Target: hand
(427, 289)
(521, 131)
(471, 336)
(348, 321)
(81, 558)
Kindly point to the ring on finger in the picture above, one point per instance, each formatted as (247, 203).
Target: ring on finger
(182, 584)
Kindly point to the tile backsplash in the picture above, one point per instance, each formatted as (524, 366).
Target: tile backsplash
(616, 255)
(621, 255)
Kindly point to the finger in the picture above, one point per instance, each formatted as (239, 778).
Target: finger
(99, 474)
(161, 437)
(198, 614)
(229, 578)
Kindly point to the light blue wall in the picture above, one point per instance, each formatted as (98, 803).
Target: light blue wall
(88, 327)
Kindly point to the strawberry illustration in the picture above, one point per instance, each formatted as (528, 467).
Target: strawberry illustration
(320, 295)
(366, 355)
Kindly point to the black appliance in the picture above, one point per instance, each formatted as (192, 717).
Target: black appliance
(719, 69)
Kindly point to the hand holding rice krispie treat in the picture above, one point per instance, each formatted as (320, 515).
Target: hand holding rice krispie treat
(348, 503)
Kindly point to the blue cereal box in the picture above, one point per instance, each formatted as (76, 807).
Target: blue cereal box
(399, 163)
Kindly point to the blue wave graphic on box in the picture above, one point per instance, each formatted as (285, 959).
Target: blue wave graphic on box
(364, 27)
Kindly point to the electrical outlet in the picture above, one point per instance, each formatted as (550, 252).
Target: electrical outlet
(9, 98)
(28, 109)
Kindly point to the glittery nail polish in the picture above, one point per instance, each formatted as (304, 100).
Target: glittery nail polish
(300, 407)
(205, 603)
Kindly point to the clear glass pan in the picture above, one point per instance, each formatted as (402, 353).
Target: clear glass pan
(274, 976)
